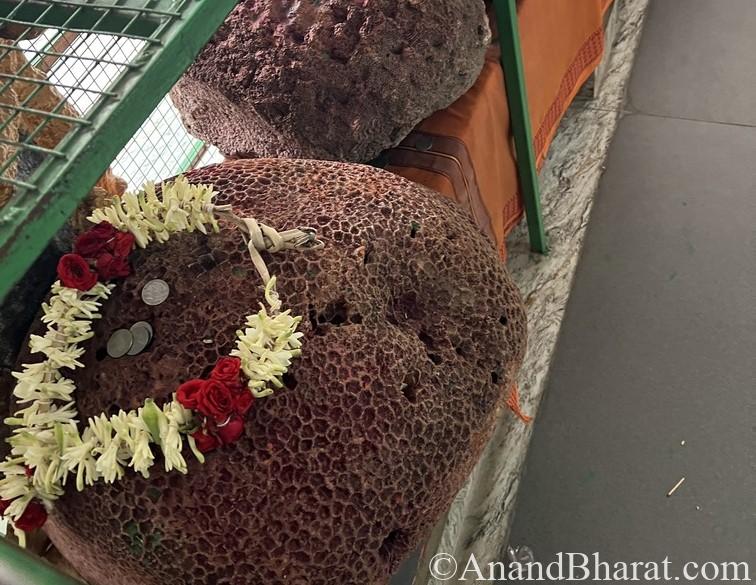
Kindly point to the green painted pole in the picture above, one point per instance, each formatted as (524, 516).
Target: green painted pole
(191, 158)
(517, 96)
(20, 567)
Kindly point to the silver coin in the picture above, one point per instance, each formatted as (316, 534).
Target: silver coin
(146, 325)
(120, 343)
(155, 292)
(142, 334)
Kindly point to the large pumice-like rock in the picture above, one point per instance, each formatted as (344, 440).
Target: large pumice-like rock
(334, 79)
(413, 336)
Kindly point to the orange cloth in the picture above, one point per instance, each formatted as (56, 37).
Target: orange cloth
(562, 43)
(480, 120)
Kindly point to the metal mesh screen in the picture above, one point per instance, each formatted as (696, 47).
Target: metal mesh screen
(81, 81)
(62, 75)
(51, 83)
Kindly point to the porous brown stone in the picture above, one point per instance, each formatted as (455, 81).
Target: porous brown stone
(413, 334)
(330, 79)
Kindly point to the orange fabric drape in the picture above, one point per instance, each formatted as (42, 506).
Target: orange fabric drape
(562, 43)
(480, 120)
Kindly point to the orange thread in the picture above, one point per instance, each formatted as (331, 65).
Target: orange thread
(513, 402)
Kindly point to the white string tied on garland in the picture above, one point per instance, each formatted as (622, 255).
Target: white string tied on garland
(263, 238)
(270, 340)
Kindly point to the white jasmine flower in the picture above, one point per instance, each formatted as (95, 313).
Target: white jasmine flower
(18, 505)
(78, 456)
(181, 207)
(107, 450)
(46, 446)
(267, 346)
(14, 483)
(142, 458)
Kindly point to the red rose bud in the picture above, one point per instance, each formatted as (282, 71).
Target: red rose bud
(93, 241)
(188, 392)
(33, 517)
(243, 401)
(227, 370)
(122, 244)
(109, 266)
(74, 272)
(205, 443)
(216, 400)
(232, 430)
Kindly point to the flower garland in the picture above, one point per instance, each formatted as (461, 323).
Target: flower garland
(47, 446)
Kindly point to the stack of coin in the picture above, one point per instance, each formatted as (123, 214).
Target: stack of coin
(141, 332)
(120, 343)
(132, 341)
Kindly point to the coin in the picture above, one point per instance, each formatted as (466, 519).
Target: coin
(146, 325)
(120, 343)
(155, 292)
(142, 334)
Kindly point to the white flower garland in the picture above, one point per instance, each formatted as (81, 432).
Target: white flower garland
(46, 444)
(268, 344)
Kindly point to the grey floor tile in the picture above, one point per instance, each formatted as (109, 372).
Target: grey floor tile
(697, 60)
(657, 347)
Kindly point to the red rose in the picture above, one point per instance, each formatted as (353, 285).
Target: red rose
(227, 370)
(74, 272)
(188, 392)
(205, 443)
(4, 506)
(33, 517)
(122, 244)
(243, 402)
(232, 430)
(93, 241)
(109, 266)
(215, 400)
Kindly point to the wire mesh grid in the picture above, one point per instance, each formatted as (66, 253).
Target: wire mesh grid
(77, 78)
(51, 82)
(161, 147)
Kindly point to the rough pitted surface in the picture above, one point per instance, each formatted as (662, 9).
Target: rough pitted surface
(413, 334)
(330, 79)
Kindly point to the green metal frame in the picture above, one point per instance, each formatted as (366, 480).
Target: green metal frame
(68, 15)
(517, 97)
(42, 204)
(20, 567)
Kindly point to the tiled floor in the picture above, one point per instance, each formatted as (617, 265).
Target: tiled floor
(697, 61)
(654, 373)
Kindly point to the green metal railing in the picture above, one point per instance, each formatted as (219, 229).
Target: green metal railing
(517, 97)
(19, 567)
(170, 34)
